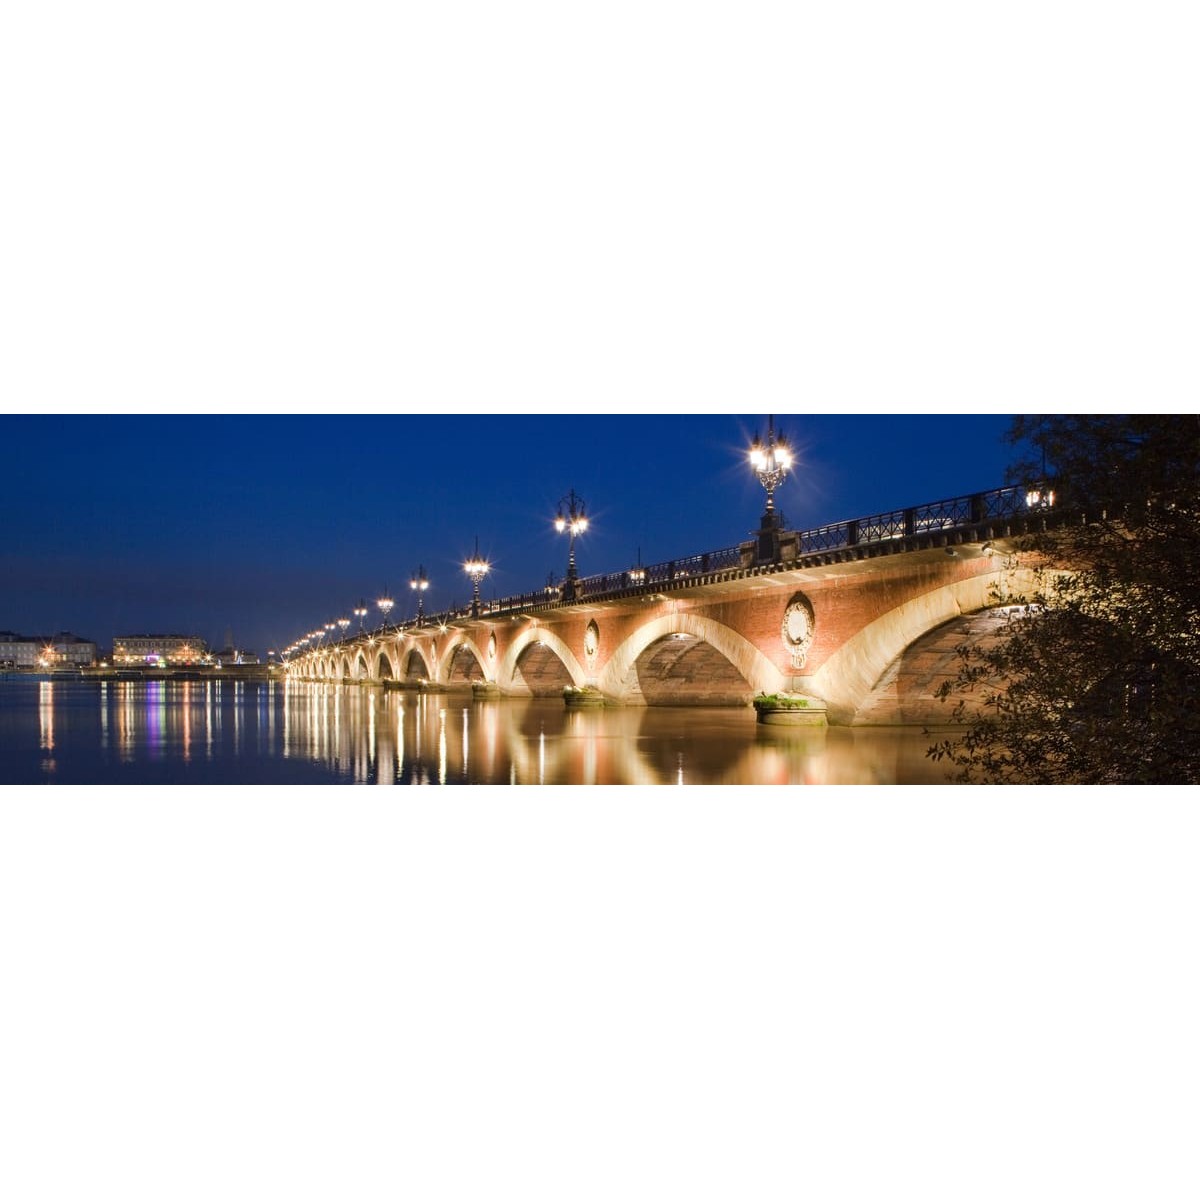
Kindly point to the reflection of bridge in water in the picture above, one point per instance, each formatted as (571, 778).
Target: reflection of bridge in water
(386, 737)
(864, 615)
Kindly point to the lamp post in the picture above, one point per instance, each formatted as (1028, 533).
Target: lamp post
(637, 575)
(771, 464)
(420, 584)
(385, 604)
(361, 612)
(476, 568)
(343, 625)
(573, 522)
(1040, 494)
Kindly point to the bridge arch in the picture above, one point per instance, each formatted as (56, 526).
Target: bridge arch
(461, 660)
(416, 664)
(906, 693)
(619, 678)
(509, 674)
(850, 675)
(384, 666)
(361, 668)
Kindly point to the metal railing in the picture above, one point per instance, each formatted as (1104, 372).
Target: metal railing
(942, 516)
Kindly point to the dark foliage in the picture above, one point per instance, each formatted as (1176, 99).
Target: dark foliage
(1095, 677)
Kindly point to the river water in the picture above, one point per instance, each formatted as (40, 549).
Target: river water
(165, 732)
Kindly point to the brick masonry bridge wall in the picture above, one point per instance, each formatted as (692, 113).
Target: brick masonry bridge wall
(871, 656)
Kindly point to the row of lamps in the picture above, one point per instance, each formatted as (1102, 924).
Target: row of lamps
(771, 461)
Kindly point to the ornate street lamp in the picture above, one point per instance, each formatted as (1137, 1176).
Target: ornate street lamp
(771, 464)
(385, 604)
(361, 612)
(573, 522)
(476, 568)
(420, 584)
(343, 625)
(637, 575)
(1040, 494)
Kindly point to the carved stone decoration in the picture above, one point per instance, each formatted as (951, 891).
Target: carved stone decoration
(492, 647)
(591, 639)
(797, 631)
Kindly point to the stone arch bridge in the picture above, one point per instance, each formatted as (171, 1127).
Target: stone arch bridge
(864, 615)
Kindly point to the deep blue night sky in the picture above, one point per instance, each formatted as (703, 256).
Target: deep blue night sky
(271, 525)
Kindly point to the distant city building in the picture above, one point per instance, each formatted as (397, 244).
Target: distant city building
(174, 649)
(36, 652)
(232, 657)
